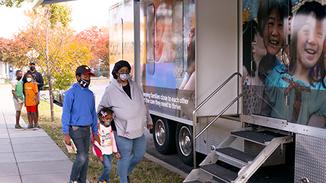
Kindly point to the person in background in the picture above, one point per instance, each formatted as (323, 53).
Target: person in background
(106, 147)
(36, 75)
(37, 78)
(78, 116)
(18, 96)
(31, 100)
(126, 99)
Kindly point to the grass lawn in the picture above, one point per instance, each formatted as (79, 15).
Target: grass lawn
(145, 172)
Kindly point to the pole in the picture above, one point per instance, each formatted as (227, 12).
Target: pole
(49, 76)
(137, 41)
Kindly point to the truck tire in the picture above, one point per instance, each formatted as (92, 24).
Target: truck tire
(184, 143)
(163, 136)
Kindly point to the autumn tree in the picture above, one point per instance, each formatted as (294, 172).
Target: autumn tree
(6, 52)
(59, 51)
(11, 3)
(98, 41)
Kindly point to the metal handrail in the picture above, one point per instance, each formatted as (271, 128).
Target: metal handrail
(195, 136)
(219, 115)
(215, 91)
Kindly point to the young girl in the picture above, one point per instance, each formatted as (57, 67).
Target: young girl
(107, 146)
(31, 100)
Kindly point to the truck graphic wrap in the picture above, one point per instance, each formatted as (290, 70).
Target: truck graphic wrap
(169, 71)
(284, 60)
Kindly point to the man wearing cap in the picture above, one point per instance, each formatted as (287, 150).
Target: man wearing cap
(78, 116)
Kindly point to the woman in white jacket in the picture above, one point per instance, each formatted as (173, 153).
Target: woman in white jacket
(125, 98)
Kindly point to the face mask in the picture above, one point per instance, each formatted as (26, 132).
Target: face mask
(84, 83)
(124, 77)
(32, 68)
(18, 78)
(28, 79)
(106, 123)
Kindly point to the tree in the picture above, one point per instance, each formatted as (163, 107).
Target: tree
(14, 50)
(98, 41)
(5, 50)
(59, 51)
(11, 3)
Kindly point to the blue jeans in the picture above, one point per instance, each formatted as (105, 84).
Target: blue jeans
(132, 152)
(107, 168)
(81, 138)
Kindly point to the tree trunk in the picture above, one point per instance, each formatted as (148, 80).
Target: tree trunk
(49, 74)
(51, 97)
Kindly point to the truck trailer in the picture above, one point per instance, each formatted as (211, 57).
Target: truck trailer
(240, 81)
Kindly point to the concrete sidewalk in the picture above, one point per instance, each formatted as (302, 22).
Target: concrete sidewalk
(27, 156)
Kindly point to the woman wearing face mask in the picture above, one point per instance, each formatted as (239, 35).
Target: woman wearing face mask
(125, 98)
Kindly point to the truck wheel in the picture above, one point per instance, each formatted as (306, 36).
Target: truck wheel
(163, 136)
(184, 143)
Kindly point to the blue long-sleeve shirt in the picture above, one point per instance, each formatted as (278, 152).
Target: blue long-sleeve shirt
(79, 109)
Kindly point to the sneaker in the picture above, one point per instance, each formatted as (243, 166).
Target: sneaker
(73, 181)
(36, 125)
(30, 126)
(18, 126)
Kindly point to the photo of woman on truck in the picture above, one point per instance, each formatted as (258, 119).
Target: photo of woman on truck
(297, 95)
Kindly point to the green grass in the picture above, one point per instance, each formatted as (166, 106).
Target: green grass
(145, 172)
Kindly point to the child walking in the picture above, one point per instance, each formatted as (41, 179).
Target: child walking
(31, 100)
(105, 146)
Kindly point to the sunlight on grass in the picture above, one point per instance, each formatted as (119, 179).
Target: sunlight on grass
(145, 172)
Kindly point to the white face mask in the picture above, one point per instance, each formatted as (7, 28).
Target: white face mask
(28, 79)
(124, 77)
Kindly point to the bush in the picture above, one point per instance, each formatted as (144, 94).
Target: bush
(62, 81)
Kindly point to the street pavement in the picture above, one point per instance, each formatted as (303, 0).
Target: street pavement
(27, 156)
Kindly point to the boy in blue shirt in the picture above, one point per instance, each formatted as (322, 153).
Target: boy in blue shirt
(78, 116)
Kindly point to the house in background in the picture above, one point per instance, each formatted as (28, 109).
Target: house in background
(6, 72)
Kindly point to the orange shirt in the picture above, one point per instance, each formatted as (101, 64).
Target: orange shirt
(31, 91)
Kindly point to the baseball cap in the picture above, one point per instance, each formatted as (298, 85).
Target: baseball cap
(84, 69)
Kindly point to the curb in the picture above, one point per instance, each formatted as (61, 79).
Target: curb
(166, 165)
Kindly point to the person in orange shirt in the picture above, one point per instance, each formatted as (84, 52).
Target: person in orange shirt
(31, 100)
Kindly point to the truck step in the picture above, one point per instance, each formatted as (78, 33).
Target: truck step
(234, 157)
(220, 173)
(196, 181)
(259, 137)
